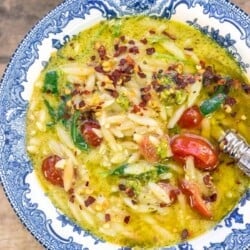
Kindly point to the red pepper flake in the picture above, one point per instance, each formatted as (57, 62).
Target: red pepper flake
(145, 89)
(210, 198)
(134, 202)
(150, 51)
(90, 200)
(122, 187)
(162, 204)
(134, 50)
(72, 198)
(132, 42)
(157, 87)
(230, 101)
(144, 41)
(141, 74)
(173, 194)
(120, 50)
(246, 88)
(126, 219)
(146, 97)
(113, 92)
(107, 217)
(102, 52)
(87, 183)
(115, 76)
(81, 104)
(86, 92)
(207, 180)
(238, 182)
(135, 109)
(152, 32)
(189, 49)
(130, 192)
(99, 69)
(122, 38)
(184, 234)
(233, 114)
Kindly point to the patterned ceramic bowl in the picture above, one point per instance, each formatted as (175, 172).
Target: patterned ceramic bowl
(220, 19)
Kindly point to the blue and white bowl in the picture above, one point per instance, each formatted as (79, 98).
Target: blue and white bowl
(220, 19)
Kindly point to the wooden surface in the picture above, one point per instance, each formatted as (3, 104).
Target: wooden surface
(16, 19)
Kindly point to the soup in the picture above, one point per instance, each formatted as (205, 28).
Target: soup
(123, 127)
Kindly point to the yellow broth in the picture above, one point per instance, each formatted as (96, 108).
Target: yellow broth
(109, 216)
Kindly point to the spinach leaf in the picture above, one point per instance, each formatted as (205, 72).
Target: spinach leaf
(51, 82)
(75, 133)
(152, 175)
(56, 114)
(119, 171)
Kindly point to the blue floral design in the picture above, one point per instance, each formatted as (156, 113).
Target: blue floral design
(139, 6)
(234, 216)
(225, 41)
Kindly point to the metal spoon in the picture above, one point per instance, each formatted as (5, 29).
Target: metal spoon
(235, 145)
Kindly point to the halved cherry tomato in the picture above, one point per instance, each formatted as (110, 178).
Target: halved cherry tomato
(191, 118)
(191, 190)
(89, 134)
(148, 150)
(50, 172)
(205, 157)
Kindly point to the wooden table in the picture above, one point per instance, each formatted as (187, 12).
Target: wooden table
(16, 19)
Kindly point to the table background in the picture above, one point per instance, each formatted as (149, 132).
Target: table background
(16, 18)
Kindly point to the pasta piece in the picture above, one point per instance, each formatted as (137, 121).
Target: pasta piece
(176, 117)
(194, 92)
(68, 175)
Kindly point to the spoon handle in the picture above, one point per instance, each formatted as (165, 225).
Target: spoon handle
(234, 145)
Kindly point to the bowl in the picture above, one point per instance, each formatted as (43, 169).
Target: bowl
(223, 21)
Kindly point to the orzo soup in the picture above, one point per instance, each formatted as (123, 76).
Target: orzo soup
(123, 128)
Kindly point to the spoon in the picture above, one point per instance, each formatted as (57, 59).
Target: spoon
(234, 144)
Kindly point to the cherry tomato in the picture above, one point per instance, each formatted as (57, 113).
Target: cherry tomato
(148, 150)
(50, 172)
(205, 157)
(191, 190)
(89, 134)
(191, 118)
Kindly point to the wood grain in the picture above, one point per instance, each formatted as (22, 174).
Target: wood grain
(16, 19)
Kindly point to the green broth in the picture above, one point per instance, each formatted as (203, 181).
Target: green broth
(109, 216)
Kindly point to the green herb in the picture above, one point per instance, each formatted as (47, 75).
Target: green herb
(123, 101)
(162, 149)
(212, 104)
(56, 114)
(174, 131)
(152, 175)
(173, 96)
(51, 82)
(119, 171)
(51, 110)
(75, 133)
